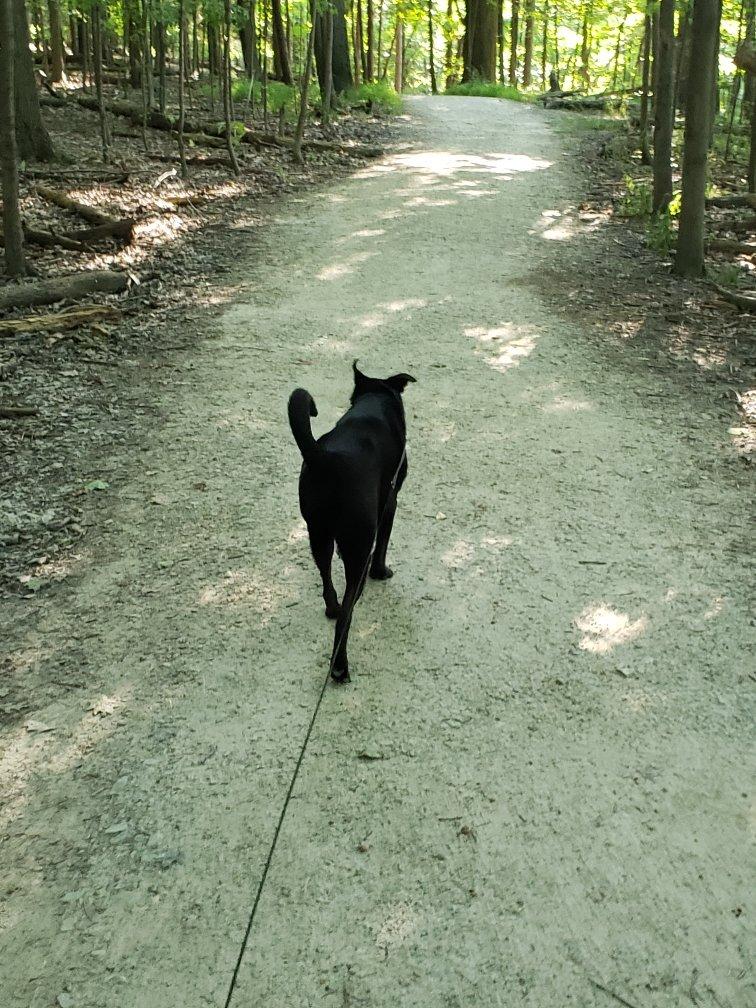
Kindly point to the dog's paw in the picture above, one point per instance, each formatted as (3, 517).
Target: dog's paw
(381, 573)
(340, 676)
(333, 611)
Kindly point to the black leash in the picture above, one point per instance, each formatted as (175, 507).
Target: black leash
(300, 759)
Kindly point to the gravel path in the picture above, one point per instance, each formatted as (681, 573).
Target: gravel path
(535, 791)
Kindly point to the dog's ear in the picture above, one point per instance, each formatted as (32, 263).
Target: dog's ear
(399, 382)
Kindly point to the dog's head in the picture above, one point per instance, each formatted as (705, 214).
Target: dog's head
(363, 384)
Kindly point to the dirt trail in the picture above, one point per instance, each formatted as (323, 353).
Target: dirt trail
(536, 789)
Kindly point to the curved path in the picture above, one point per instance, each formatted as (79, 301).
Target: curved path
(535, 790)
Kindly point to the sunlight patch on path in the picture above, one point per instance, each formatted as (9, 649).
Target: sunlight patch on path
(603, 628)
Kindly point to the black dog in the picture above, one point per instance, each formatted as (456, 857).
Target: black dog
(347, 490)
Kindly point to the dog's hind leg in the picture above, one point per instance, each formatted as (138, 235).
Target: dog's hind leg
(356, 563)
(321, 544)
(378, 569)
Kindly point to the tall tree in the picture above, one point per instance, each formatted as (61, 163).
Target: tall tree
(31, 134)
(480, 41)
(663, 108)
(431, 62)
(341, 67)
(13, 236)
(57, 62)
(514, 41)
(646, 92)
(527, 67)
(704, 31)
(280, 45)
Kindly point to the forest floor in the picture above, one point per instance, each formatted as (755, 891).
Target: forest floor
(536, 789)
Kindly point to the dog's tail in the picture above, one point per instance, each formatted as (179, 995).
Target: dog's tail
(301, 408)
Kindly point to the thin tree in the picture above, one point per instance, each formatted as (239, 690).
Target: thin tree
(13, 235)
(431, 63)
(514, 39)
(227, 87)
(527, 69)
(58, 64)
(370, 63)
(399, 59)
(296, 149)
(97, 40)
(644, 105)
(280, 45)
(663, 108)
(704, 30)
(327, 67)
(182, 68)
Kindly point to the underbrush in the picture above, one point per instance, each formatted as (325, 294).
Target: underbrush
(377, 94)
(485, 89)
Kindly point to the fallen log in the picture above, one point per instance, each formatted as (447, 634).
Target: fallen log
(109, 227)
(65, 288)
(730, 245)
(201, 133)
(742, 301)
(12, 412)
(69, 318)
(734, 200)
(47, 239)
(582, 104)
(75, 174)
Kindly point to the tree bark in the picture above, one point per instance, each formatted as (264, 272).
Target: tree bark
(227, 87)
(481, 23)
(513, 42)
(663, 108)
(296, 149)
(182, 67)
(32, 137)
(527, 69)
(327, 89)
(370, 50)
(431, 63)
(248, 37)
(63, 288)
(643, 130)
(97, 37)
(282, 64)
(341, 68)
(58, 66)
(399, 56)
(15, 262)
(689, 261)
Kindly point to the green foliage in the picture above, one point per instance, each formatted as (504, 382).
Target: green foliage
(379, 93)
(724, 274)
(636, 200)
(280, 96)
(485, 89)
(660, 233)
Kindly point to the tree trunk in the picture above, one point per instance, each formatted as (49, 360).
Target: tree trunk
(481, 23)
(431, 63)
(342, 69)
(513, 42)
(585, 48)
(248, 38)
(131, 28)
(327, 88)
(32, 137)
(527, 70)
(302, 118)
(58, 66)
(359, 38)
(370, 53)
(663, 109)
(683, 61)
(282, 64)
(97, 40)
(160, 56)
(643, 138)
(15, 263)
(752, 157)
(703, 50)
(544, 49)
(182, 69)
(227, 87)
(399, 57)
